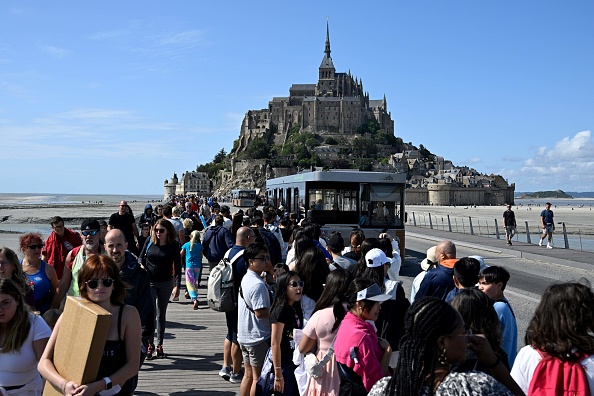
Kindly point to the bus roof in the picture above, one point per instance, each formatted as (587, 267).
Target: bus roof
(340, 176)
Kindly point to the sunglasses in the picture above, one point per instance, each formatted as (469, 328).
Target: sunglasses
(296, 283)
(160, 230)
(91, 233)
(94, 283)
(6, 303)
(33, 247)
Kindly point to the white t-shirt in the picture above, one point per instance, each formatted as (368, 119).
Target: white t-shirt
(527, 360)
(21, 367)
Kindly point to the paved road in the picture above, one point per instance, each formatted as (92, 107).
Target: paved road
(194, 339)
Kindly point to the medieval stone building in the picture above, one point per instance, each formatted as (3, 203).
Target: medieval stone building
(336, 105)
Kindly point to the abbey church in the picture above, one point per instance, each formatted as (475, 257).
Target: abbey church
(336, 105)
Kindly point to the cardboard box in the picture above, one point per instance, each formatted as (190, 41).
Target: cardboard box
(81, 339)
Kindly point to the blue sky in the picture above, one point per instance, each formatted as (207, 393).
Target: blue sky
(111, 97)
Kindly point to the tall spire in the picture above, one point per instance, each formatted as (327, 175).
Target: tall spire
(327, 60)
(327, 49)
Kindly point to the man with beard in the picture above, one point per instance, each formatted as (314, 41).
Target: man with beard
(138, 292)
(75, 259)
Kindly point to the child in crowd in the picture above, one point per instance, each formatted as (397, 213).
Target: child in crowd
(466, 276)
(145, 232)
(492, 282)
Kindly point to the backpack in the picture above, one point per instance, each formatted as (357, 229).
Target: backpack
(554, 377)
(220, 294)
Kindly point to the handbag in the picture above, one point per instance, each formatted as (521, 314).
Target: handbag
(265, 384)
(315, 367)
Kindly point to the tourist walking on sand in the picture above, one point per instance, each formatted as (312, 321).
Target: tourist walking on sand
(41, 276)
(548, 225)
(509, 222)
(57, 246)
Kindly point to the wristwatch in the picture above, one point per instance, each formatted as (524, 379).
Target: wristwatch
(107, 383)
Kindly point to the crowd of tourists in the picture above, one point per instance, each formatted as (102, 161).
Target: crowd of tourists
(312, 314)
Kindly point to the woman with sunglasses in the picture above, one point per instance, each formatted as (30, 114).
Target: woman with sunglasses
(162, 260)
(436, 339)
(10, 268)
(41, 276)
(99, 281)
(23, 336)
(285, 316)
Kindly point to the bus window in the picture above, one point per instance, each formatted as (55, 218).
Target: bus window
(381, 205)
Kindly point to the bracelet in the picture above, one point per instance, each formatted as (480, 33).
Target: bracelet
(278, 368)
(497, 361)
(278, 379)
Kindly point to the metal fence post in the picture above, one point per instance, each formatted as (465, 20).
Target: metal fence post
(496, 229)
(527, 233)
(430, 221)
(414, 219)
(449, 224)
(470, 224)
(565, 236)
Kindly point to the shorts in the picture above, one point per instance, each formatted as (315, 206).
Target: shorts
(254, 355)
(510, 231)
(549, 228)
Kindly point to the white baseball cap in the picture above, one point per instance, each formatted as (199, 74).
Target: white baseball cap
(376, 258)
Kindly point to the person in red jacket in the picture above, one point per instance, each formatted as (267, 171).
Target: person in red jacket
(57, 246)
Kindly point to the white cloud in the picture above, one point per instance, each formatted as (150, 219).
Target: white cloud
(568, 165)
(472, 161)
(56, 52)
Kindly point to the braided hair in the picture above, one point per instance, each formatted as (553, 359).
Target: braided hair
(427, 319)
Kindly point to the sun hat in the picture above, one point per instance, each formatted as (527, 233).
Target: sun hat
(372, 293)
(430, 259)
(376, 258)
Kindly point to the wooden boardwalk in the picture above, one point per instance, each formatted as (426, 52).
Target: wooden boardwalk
(194, 348)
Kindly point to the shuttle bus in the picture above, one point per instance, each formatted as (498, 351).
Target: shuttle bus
(343, 200)
(243, 198)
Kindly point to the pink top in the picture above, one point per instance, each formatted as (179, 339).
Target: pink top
(355, 332)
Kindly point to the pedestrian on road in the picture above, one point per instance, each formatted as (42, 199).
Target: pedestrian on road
(548, 225)
(509, 222)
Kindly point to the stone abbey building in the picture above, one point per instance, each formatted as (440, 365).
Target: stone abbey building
(335, 105)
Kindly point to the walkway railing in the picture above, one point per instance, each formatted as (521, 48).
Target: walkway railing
(529, 232)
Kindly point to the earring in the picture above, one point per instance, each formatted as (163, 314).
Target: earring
(442, 359)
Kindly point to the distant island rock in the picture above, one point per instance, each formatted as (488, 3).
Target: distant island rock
(546, 194)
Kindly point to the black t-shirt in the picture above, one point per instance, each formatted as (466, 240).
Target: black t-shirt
(124, 222)
(292, 318)
(510, 218)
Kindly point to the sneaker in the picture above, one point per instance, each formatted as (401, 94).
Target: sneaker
(510, 243)
(226, 372)
(549, 246)
(160, 353)
(149, 352)
(540, 243)
(235, 378)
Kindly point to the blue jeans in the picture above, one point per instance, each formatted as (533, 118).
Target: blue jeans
(160, 293)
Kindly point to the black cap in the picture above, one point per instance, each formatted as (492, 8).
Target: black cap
(90, 224)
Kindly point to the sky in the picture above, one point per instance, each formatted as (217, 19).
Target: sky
(112, 97)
